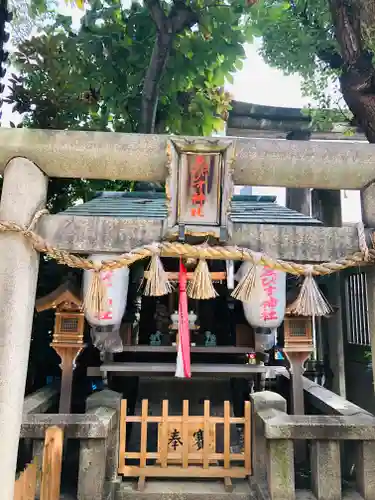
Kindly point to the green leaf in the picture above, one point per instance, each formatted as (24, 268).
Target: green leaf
(230, 78)
(239, 64)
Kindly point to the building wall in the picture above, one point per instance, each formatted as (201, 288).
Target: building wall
(245, 190)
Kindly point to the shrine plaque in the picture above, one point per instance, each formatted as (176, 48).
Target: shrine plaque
(195, 437)
(200, 188)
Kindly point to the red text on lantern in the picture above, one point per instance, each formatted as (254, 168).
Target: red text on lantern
(268, 279)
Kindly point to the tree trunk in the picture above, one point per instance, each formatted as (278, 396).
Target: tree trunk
(362, 106)
(180, 17)
(4, 17)
(155, 72)
(353, 21)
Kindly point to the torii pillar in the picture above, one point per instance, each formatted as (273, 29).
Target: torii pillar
(24, 193)
(368, 218)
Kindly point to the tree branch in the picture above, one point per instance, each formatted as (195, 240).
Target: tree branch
(182, 16)
(331, 57)
(154, 74)
(157, 14)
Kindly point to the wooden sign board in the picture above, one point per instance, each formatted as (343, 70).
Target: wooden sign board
(199, 185)
(195, 439)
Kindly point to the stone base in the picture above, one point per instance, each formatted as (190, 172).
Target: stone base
(185, 490)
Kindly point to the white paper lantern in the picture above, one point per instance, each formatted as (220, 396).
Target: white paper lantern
(266, 308)
(117, 283)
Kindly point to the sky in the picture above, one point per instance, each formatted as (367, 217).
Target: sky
(260, 84)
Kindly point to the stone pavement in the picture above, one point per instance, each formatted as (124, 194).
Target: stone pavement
(186, 490)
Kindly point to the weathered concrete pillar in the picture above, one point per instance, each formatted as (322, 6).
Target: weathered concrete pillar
(368, 218)
(92, 465)
(98, 459)
(326, 206)
(365, 469)
(109, 399)
(333, 330)
(261, 402)
(326, 470)
(281, 469)
(368, 205)
(24, 193)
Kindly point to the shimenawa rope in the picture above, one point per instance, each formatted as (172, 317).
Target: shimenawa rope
(310, 301)
(176, 249)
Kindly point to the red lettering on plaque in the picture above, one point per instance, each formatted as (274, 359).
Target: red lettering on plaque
(199, 177)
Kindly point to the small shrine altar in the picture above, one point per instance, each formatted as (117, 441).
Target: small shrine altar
(191, 310)
(190, 313)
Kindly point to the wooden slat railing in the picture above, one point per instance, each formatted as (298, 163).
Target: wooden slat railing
(26, 485)
(176, 458)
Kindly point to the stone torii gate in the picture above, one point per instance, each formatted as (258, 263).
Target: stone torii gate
(29, 157)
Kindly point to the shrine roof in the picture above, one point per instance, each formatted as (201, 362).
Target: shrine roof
(246, 209)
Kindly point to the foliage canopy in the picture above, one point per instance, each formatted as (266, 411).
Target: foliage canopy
(110, 54)
(324, 41)
(92, 78)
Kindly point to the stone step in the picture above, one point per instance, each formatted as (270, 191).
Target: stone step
(185, 490)
(346, 495)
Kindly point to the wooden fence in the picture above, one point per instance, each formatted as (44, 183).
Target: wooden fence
(26, 485)
(186, 445)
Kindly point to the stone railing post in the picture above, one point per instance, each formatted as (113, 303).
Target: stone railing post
(326, 470)
(368, 218)
(280, 470)
(264, 467)
(23, 194)
(365, 469)
(98, 460)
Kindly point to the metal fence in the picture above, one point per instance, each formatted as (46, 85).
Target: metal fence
(356, 304)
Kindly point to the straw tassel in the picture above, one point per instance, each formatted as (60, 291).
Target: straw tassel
(95, 299)
(200, 286)
(246, 285)
(157, 282)
(310, 300)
